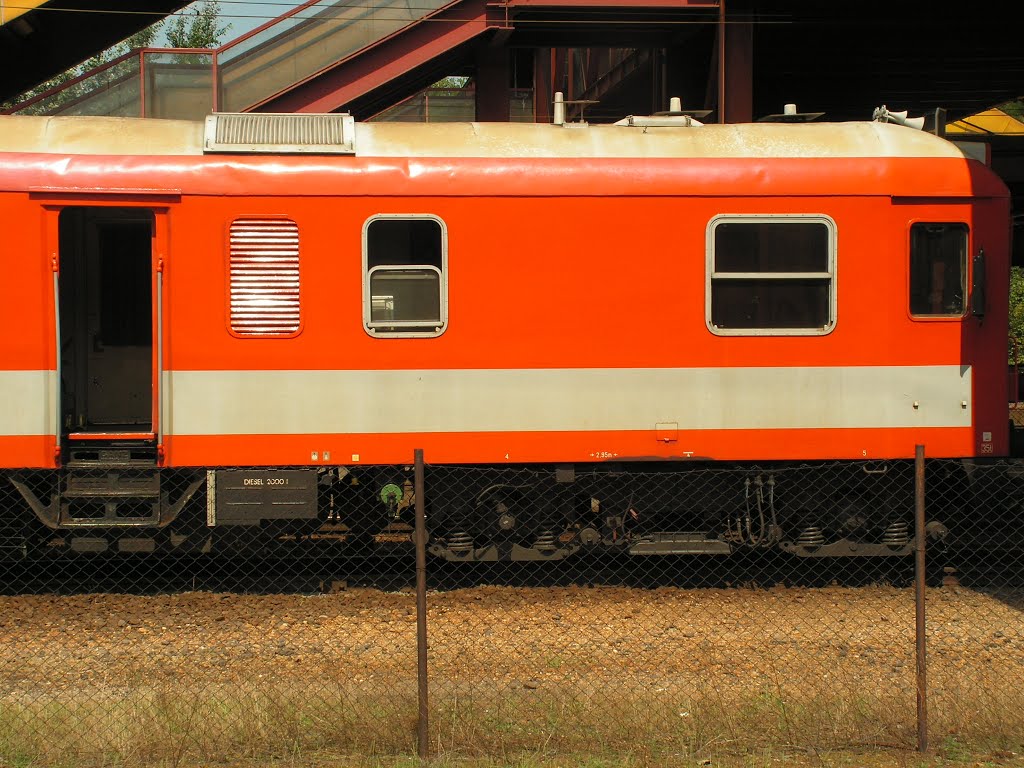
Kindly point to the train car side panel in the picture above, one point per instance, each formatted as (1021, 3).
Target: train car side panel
(27, 343)
(541, 338)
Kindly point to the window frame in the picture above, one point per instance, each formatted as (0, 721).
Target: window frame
(372, 327)
(761, 218)
(967, 268)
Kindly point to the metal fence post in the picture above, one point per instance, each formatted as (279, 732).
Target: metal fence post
(421, 609)
(919, 596)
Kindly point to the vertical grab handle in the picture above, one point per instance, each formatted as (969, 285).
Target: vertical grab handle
(56, 389)
(158, 372)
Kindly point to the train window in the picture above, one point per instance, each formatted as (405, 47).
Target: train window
(771, 275)
(264, 277)
(938, 270)
(404, 267)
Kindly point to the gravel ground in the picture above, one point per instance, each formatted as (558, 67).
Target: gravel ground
(509, 667)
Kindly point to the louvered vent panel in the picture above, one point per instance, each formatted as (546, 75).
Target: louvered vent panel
(250, 132)
(264, 277)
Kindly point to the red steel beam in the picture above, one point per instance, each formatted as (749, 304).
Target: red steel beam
(388, 59)
(675, 4)
(267, 25)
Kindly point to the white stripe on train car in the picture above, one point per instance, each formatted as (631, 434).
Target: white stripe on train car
(552, 400)
(27, 402)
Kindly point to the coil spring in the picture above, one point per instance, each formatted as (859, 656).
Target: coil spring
(896, 535)
(545, 541)
(811, 536)
(460, 541)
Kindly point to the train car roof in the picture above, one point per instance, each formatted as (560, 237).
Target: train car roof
(134, 136)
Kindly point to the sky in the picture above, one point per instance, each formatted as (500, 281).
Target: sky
(245, 15)
(242, 15)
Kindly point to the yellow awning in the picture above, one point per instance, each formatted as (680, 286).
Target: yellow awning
(991, 122)
(12, 9)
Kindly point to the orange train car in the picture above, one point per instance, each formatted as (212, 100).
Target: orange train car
(205, 323)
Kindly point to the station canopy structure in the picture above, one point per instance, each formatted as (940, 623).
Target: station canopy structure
(42, 38)
(991, 123)
(504, 59)
(501, 60)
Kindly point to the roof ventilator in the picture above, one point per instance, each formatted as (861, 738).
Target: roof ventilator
(675, 117)
(790, 115)
(333, 134)
(558, 116)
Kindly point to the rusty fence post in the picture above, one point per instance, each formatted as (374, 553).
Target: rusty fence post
(919, 595)
(422, 743)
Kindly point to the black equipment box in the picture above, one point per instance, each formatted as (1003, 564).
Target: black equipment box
(250, 496)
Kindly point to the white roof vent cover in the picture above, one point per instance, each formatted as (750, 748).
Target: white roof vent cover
(333, 134)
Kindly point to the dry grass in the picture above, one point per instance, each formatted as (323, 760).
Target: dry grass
(185, 724)
(630, 677)
(170, 726)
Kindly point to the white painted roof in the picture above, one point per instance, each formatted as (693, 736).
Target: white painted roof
(134, 136)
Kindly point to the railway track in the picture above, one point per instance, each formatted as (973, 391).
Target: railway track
(264, 575)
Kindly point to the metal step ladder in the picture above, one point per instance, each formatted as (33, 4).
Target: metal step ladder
(112, 485)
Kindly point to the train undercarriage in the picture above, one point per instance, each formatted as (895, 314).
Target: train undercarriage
(115, 500)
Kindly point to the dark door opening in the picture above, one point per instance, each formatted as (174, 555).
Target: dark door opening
(106, 321)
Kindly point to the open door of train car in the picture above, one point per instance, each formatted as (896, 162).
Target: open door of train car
(107, 329)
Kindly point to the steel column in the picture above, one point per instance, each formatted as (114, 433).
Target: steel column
(720, 52)
(492, 80)
(734, 56)
(919, 597)
(543, 91)
(422, 743)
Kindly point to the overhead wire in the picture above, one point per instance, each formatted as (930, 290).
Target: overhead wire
(612, 15)
(756, 18)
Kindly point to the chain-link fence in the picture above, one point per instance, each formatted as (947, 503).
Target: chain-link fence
(142, 621)
(690, 609)
(686, 609)
(975, 626)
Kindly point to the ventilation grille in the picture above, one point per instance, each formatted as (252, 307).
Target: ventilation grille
(264, 277)
(320, 134)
